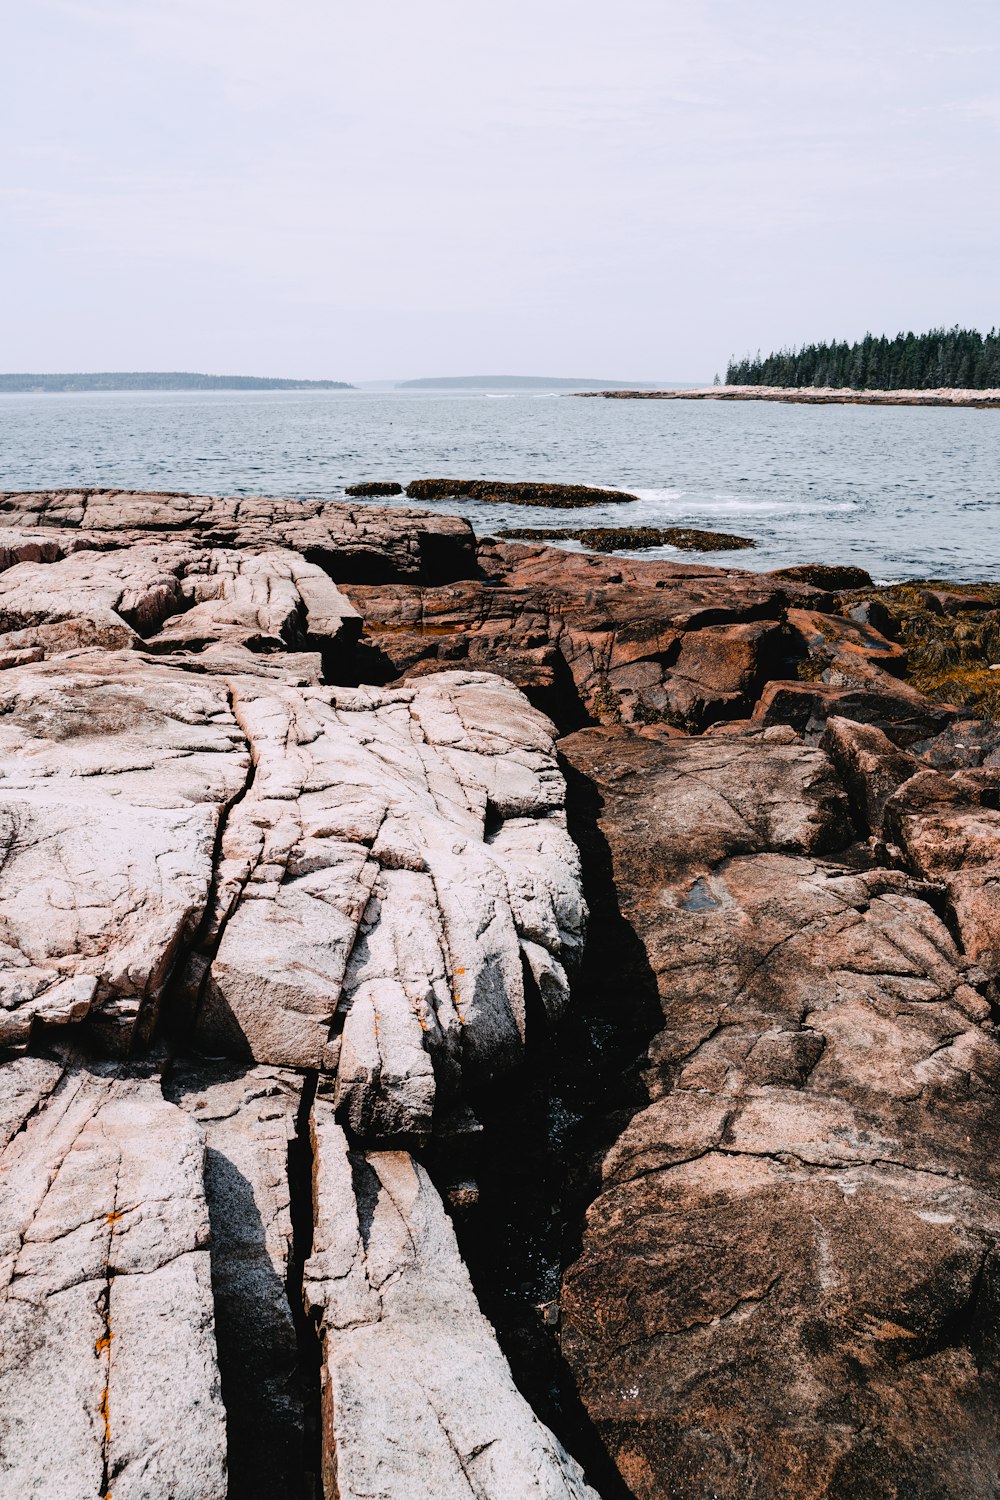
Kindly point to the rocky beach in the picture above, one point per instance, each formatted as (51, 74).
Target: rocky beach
(811, 395)
(481, 1021)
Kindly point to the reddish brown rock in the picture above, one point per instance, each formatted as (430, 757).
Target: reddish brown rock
(947, 602)
(870, 766)
(903, 712)
(832, 641)
(949, 829)
(787, 1284)
(632, 642)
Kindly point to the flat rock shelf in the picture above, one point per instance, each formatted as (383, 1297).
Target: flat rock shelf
(633, 538)
(398, 929)
(810, 395)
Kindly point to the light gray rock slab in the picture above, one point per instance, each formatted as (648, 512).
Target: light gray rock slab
(108, 1374)
(397, 855)
(418, 1400)
(356, 542)
(249, 1120)
(25, 1084)
(171, 594)
(113, 776)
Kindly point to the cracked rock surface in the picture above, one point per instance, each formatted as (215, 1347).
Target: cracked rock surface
(329, 971)
(790, 1267)
(418, 1398)
(109, 1382)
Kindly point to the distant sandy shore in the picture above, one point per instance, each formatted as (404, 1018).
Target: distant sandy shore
(810, 396)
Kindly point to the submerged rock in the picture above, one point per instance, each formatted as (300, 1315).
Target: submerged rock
(633, 538)
(374, 487)
(515, 492)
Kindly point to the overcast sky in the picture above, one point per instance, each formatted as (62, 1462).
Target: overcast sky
(615, 188)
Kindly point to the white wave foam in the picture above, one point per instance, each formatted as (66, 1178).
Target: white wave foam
(694, 504)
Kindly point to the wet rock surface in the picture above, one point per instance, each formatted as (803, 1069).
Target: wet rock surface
(374, 487)
(633, 538)
(331, 974)
(517, 492)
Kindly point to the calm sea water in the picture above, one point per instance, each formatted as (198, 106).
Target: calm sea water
(904, 492)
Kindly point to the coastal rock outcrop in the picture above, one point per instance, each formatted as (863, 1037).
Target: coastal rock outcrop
(515, 492)
(632, 538)
(417, 1398)
(295, 952)
(789, 1269)
(108, 1375)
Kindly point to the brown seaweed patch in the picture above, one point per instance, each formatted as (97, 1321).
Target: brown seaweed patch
(826, 576)
(953, 658)
(515, 492)
(633, 538)
(374, 487)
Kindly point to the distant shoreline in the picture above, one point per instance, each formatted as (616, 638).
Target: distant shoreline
(155, 380)
(810, 396)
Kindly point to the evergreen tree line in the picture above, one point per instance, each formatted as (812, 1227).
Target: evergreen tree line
(959, 358)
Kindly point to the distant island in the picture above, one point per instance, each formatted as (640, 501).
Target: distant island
(943, 359)
(515, 383)
(152, 380)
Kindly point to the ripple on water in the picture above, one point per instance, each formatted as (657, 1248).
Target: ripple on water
(903, 492)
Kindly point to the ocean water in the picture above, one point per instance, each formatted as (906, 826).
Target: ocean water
(904, 492)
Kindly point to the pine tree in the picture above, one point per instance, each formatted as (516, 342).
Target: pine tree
(949, 357)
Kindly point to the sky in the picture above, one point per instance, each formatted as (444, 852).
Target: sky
(398, 188)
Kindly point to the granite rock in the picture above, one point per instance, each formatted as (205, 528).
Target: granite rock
(108, 1376)
(418, 1400)
(789, 1270)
